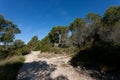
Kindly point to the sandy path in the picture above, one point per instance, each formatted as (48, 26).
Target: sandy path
(54, 68)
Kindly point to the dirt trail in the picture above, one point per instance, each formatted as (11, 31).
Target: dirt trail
(54, 68)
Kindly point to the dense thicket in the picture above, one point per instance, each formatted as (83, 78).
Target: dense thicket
(97, 36)
(86, 30)
(104, 52)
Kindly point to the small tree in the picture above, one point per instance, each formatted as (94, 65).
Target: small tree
(7, 31)
(33, 44)
(58, 35)
(76, 28)
(111, 16)
(18, 43)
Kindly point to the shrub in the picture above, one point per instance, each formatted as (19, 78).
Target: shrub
(45, 48)
(102, 55)
(25, 50)
(20, 51)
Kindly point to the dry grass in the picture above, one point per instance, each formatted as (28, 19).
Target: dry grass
(11, 60)
(48, 55)
(9, 67)
(64, 65)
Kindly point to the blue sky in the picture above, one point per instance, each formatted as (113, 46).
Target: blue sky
(37, 17)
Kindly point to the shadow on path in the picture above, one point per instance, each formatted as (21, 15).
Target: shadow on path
(38, 71)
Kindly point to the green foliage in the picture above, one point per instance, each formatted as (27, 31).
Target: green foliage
(100, 55)
(93, 19)
(115, 34)
(9, 67)
(77, 28)
(21, 51)
(112, 15)
(45, 44)
(33, 44)
(7, 30)
(77, 24)
(103, 53)
(46, 48)
(17, 48)
(18, 43)
(58, 34)
(45, 41)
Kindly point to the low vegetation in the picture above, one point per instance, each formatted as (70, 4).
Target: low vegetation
(105, 58)
(9, 67)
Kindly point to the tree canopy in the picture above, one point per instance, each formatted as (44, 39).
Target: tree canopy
(58, 34)
(33, 43)
(7, 31)
(112, 15)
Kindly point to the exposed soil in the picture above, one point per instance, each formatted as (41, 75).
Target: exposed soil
(39, 66)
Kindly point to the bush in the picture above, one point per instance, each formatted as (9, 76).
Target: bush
(45, 48)
(25, 50)
(102, 55)
(19, 51)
